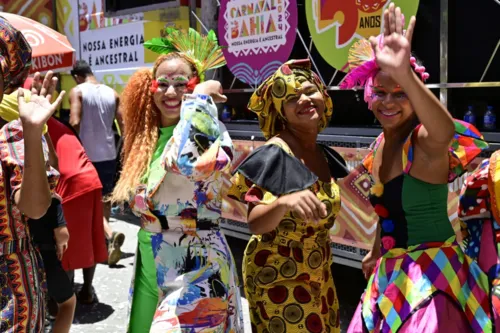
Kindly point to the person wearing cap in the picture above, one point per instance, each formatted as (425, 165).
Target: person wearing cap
(27, 183)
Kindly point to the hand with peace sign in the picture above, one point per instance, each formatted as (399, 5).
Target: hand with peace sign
(35, 113)
(393, 57)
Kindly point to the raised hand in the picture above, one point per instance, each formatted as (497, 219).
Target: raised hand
(35, 113)
(393, 56)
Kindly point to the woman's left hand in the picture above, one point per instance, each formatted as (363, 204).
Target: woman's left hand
(393, 57)
(35, 113)
(369, 262)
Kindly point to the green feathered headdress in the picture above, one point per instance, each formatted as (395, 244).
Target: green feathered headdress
(203, 51)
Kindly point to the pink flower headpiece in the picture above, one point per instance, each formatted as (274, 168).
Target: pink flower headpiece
(363, 67)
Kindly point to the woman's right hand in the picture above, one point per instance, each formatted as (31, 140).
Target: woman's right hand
(305, 205)
(35, 113)
(211, 88)
(369, 262)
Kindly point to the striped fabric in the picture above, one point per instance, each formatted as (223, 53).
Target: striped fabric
(22, 284)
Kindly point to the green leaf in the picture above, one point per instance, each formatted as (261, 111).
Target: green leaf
(212, 36)
(202, 50)
(159, 45)
(191, 31)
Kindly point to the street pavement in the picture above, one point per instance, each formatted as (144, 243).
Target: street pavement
(109, 313)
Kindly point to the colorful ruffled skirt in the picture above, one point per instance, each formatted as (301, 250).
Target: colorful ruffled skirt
(427, 288)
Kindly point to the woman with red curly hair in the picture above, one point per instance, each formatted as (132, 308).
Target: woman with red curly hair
(174, 156)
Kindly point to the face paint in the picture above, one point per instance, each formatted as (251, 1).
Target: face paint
(390, 104)
(178, 82)
(380, 93)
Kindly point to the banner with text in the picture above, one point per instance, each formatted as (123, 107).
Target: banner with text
(258, 36)
(114, 47)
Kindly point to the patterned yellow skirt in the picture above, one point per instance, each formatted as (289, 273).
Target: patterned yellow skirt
(290, 289)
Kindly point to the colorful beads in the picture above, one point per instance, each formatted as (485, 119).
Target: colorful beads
(388, 226)
(381, 211)
(388, 242)
(377, 189)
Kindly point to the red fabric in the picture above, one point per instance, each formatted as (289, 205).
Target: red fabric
(28, 82)
(86, 246)
(78, 175)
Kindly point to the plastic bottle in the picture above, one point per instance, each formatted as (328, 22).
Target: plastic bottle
(226, 114)
(470, 116)
(490, 119)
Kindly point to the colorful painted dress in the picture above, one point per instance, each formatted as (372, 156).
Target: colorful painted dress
(186, 280)
(423, 282)
(22, 280)
(480, 215)
(287, 274)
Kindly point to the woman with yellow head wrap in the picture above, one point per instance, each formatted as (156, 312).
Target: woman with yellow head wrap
(289, 186)
(269, 99)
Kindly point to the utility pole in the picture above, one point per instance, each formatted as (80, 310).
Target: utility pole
(209, 13)
(192, 19)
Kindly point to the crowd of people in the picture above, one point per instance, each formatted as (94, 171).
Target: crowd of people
(58, 186)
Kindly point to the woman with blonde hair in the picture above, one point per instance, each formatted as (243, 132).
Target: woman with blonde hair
(174, 155)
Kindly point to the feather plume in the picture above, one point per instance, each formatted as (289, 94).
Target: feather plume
(358, 75)
(359, 53)
(203, 51)
(362, 64)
